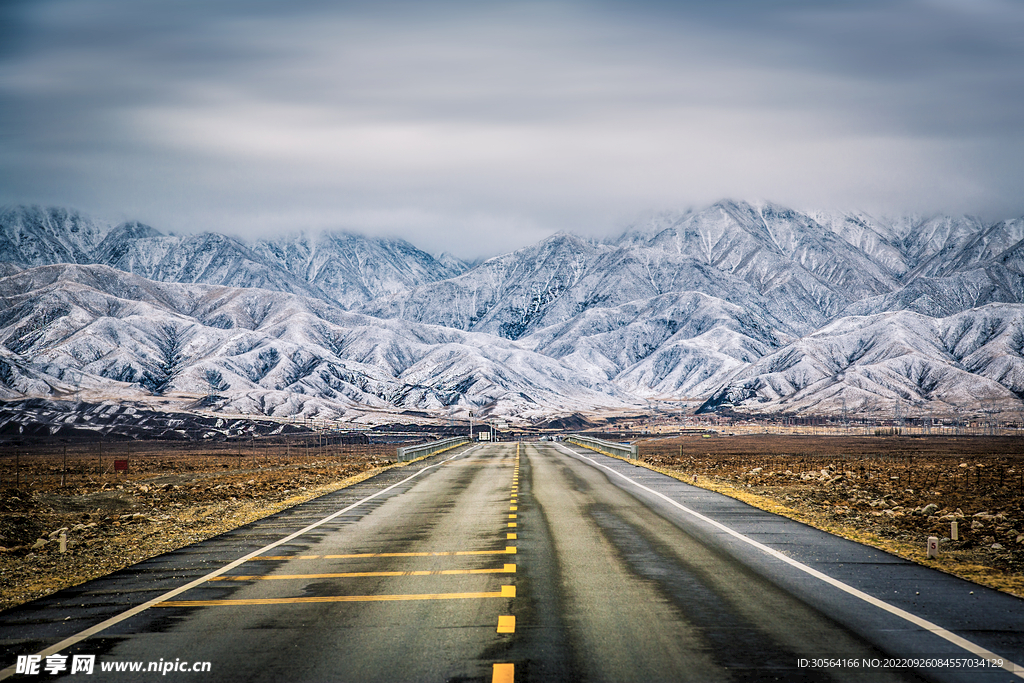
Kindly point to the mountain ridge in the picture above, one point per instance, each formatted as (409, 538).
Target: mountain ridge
(750, 306)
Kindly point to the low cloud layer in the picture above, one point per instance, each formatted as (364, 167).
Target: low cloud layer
(479, 127)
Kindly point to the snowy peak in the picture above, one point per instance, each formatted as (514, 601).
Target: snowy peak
(977, 250)
(507, 295)
(762, 243)
(453, 265)
(904, 244)
(119, 241)
(354, 269)
(205, 258)
(35, 236)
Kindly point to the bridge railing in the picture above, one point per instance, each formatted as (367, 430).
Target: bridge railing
(620, 450)
(430, 448)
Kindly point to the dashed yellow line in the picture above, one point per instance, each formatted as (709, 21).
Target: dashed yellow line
(507, 569)
(503, 673)
(506, 624)
(509, 550)
(505, 592)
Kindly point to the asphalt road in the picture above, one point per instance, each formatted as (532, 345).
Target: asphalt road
(524, 562)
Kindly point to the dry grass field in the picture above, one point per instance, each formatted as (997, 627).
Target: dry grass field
(888, 491)
(172, 494)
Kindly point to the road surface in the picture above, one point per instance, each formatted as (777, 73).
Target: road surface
(525, 562)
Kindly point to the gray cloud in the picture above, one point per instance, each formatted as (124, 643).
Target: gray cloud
(479, 127)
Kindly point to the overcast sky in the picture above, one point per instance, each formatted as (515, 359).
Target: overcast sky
(478, 127)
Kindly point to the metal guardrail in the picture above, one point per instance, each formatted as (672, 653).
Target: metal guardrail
(619, 450)
(420, 450)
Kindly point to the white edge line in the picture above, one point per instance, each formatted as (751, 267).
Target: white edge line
(973, 648)
(103, 625)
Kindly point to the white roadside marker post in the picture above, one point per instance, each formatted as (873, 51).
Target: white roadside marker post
(954, 532)
(63, 541)
(933, 546)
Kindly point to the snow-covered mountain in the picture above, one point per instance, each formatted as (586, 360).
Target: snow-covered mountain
(260, 351)
(754, 306)
(206, 258)
(352, 269)
(561, 277)
(340, 267)
(869, 363)
(786, 256)
(36, 236)
(676, 344)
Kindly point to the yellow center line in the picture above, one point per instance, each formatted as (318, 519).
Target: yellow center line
(509, 550)
(506, 592)
(503, 673)
(511, 516)
(512, 524)
(507, 569)
(506, 624)
(510, 537)
(513, 508)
